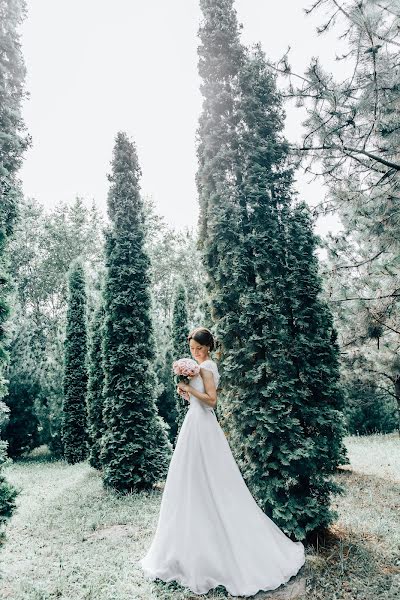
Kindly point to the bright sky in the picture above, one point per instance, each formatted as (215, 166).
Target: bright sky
(95, 67)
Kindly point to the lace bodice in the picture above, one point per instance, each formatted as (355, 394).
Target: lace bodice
(210, 365)
(197, 382)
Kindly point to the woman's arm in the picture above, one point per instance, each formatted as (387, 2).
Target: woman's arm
(210, 395)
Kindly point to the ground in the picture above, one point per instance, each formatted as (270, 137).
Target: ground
(72, 539)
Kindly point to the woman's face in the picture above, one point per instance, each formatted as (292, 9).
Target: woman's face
(199, 352)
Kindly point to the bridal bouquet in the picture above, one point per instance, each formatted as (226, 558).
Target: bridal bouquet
(185, 369)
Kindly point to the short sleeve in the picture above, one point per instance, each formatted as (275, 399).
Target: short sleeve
(211, 366)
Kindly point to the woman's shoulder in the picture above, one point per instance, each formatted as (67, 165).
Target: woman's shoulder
(210, 364)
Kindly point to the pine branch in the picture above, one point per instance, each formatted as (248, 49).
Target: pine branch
(383, 161)
(360, 264)
(392, 379)
(366, 299)
(383, 323)
(382, 387)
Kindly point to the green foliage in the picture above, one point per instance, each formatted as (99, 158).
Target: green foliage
(44, 245)
(180, 349)
(363, 297)
(42, 251)
(351, 131)
(173, 256)
(74, 413)
(5, 290)
(368, 409)
(351, 141)
(22, 429)
(49, 405)
(315, 355)
(281, 406)
(13, 141)
(12, 146)
(135, 448)
(166, 396)
(180, 329)
(96, 427)
(8, 493)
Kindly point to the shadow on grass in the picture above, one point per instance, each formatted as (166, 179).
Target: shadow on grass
(350, 565)
(345, 562)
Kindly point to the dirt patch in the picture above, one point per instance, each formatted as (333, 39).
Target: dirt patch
(294, 590)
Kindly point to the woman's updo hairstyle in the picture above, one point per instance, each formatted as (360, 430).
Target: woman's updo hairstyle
(203, 336)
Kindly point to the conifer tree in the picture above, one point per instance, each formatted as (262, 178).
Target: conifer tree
(12, 146)
(96, 427)
(350, 141)
(245, 241)
(180, 348)
(22, 428)
(166, 401)
(221, 57)
(135, 448)
(8, 493)
(315, 354)
(74, 411)
(13, 141)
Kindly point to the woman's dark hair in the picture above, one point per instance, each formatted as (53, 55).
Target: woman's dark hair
(203, 336)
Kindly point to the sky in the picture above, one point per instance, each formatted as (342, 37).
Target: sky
(95, 68)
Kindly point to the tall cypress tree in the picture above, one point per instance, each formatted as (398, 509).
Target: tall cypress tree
(314, 352)
(74, 412)
(13, 140)
(135, 448)
(12, 146)
(166, 401)
(220, 234)
(22, 429)
(180, 331)
(96, 426)
(267, 437)
(265, 403)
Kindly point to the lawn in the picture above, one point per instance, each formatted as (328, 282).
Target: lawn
(72, 539)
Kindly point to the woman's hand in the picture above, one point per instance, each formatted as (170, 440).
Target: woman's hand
(183, 390)
(183, 386)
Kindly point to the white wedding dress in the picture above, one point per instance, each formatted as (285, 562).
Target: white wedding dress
(210, 530)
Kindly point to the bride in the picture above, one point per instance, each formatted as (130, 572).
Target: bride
(210, 530)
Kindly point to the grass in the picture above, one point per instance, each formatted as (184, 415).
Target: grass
(72, 539)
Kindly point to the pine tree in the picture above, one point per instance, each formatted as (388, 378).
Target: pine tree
(350, 141)
(247, 242)
(12, 146)
(96, 426)
(135, 448)
(180, 347)
(74, 412)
